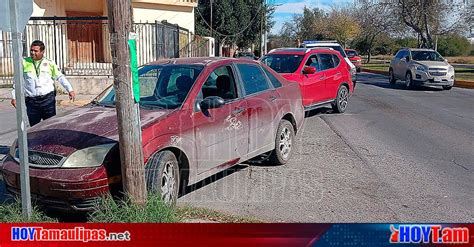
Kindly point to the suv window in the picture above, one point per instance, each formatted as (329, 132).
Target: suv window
(313, 62)
(253, 78)
(220, 83)
(283, 63)
(399, 54)
(275, 82)
(336, 60)
(326, 61)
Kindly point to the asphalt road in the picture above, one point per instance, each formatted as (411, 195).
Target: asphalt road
(395, 155)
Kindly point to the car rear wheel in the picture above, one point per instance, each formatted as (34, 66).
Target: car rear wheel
(342, 99)
(284, 140)
(408, 81)
(162, 176)
(391, 77)
(447, 87)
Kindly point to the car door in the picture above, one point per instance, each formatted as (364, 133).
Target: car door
(313, 87)
(262, 100)
(222, 133)
(326, 63)
(335, 76)
(400, 63)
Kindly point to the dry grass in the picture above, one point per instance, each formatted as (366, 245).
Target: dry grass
(461, 60)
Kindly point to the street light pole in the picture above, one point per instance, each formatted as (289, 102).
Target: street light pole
(212, 1)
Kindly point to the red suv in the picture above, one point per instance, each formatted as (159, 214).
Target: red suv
(322, 74)
(354, 58)
(198, 116)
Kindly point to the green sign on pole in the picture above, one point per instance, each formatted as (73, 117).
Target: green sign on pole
(132, 45)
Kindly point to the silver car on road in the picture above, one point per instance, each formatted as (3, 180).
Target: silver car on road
(421, 67)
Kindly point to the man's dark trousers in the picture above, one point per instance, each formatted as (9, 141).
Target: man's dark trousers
(40, 107)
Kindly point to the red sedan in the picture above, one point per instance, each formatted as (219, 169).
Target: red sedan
(322, 73)
(198, 116)
(354, 58)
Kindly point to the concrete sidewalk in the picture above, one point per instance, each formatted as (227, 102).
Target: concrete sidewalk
(61, 99)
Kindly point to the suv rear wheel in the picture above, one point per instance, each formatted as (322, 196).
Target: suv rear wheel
(342, 99)
(391, 77)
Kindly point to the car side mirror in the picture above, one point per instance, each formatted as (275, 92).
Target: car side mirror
(446, 60)
(211, 102)
(403, 60)
(309, 70)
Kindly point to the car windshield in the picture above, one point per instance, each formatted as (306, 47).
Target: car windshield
(426, 56)
(161, 86)
(283, 63)
(351, 53)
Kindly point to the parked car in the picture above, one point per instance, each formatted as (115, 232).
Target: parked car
(248, 55)
(421, 67)
(354, 58)
(322, 74)
(198, 116)
(336, 46)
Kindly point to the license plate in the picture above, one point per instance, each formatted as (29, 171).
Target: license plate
(437, 79)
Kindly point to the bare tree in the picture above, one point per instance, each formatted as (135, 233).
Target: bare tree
(430, 17)
(375, 19)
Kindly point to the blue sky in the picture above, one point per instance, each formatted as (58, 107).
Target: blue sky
(286, 9)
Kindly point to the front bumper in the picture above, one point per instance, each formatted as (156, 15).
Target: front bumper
(60, 189)
(426, 79)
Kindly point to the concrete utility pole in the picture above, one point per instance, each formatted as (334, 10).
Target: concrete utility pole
(130, 135)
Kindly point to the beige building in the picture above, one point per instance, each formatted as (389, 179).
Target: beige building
(179, 12)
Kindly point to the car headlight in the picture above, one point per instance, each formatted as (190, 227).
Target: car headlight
(420, 68)
(13, 149)
(451, 69)
(88, 157)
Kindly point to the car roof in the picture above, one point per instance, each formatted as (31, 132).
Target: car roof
(298, 51)
(204, 61)
(416, 49)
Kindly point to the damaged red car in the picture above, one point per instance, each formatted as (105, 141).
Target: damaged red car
(198, 116)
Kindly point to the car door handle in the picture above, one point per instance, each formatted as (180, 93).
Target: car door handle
(322, 77)
(238, 111)
(272, 98)
(338, 73)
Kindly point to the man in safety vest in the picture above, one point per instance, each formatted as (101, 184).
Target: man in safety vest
(40, 74)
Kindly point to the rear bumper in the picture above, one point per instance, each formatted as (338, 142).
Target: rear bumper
(60, 189)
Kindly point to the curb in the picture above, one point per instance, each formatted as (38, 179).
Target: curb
(457, 83)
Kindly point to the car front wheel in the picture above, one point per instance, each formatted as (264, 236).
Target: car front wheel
(342, 99)
(162, 176)
(284, 141)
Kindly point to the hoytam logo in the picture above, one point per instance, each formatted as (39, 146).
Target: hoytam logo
(74, 234)
(429, 234)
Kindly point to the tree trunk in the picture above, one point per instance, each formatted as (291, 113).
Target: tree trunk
(129, 130)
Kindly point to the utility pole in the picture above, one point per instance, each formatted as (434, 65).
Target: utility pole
(129, 129)
(15, 17)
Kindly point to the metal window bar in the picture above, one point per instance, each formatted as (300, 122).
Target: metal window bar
(80, 45)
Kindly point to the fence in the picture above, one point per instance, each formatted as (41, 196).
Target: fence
(80, 45)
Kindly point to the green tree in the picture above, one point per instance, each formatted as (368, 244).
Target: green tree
(238, 22)
(453, 45)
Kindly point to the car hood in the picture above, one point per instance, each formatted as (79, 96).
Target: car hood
(80, 128)
(433, 64)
